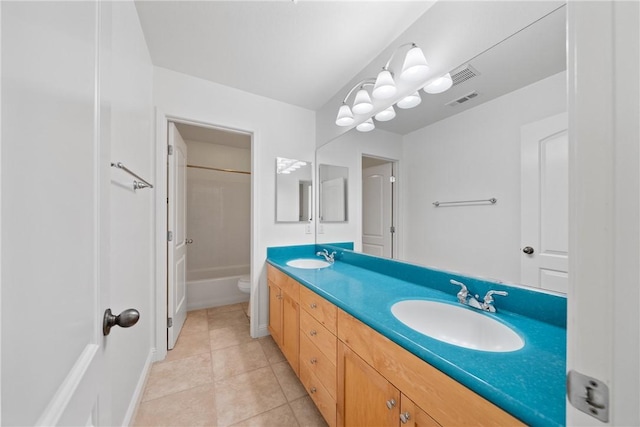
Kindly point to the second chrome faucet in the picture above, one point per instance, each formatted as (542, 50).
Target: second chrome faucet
(472, 301)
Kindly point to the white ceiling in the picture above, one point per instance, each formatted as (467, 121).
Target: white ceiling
(299, 52)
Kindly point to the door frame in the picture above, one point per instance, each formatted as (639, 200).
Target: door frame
(161, 225)
(396, 252)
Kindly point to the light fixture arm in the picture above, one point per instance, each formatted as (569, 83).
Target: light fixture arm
(393, 55)
(359, 85)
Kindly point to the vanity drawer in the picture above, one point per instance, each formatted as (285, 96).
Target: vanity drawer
(318, 335)
(321, 366)
(321, 309)
(319, 394)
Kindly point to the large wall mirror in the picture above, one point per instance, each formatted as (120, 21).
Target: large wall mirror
(472, 151)
(294, 190)
(332, 193)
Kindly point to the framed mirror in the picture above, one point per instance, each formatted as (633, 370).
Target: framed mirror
(332, 195)
(294, 190)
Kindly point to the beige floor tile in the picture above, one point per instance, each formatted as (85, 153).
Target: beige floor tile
(291, 385)
(247, 395)
(231, 361)
(271, 349)
(192, 407)
(228, 318)
(306, 413)
(196, 322)
(189, 345)
(281, 416)
(224, 309)
(229, 336)
(173, 376)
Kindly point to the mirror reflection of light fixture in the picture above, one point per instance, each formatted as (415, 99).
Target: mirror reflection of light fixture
(386, 114)
(414, 69)
(410, 101)
(439, 85)
(366, 126)
(286, 166)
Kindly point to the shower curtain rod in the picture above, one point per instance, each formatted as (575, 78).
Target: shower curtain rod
(218, 169)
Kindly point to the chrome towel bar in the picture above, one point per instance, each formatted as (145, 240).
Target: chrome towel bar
(493, 201)
(136, 184)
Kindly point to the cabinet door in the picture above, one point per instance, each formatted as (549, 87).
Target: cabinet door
(411, 415)
(365, 398)
(275, 313)
(291, 331)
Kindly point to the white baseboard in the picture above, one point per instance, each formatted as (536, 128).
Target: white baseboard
(137, 394)
(215, 301)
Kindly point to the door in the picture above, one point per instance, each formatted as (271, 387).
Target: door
(333, 200)
(55, 241)
(377, 210)
(545, 204)
(177, 239)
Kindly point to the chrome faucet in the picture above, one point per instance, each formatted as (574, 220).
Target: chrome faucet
(472, 301)
(327, 256)
(487, 304)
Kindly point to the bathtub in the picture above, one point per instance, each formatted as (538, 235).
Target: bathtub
(215, 287)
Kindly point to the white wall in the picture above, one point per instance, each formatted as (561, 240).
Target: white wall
(132, 241)
(278, 129)
(472, 155)
(218, 210)
(347, 150)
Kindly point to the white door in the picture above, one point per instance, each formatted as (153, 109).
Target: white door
(177, 245)
(332, 203)
(544, 248)
(55, 179)
(377, 236)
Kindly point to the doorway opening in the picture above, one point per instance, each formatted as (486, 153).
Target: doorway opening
(379, 206)
(208, 220)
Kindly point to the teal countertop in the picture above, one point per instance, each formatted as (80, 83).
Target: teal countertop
(528, 383)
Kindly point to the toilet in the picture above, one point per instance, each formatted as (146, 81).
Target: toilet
(244, 284)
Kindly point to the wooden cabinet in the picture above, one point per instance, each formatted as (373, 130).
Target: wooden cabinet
(284, 318)
(318, 351)
(358, 377)
(411, 415)
(365, 398)
(445, 400)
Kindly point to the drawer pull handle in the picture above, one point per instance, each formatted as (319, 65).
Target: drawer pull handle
(391, 403)
(312, 390)
(405, 417)
(313, 305)
(313, 361)
(313, 333)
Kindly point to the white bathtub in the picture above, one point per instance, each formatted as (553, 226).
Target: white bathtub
(215, 287)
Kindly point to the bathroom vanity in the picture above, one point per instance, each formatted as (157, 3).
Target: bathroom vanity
(361, 366)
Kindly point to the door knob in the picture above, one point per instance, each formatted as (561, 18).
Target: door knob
(527, 250)
(125, 319)
(188, 241)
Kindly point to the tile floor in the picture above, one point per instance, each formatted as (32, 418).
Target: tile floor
(217, 375)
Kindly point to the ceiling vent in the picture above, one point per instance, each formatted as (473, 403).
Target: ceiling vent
(462, 99)
(463, 74)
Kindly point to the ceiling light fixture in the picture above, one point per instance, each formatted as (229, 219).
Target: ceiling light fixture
(414, 72)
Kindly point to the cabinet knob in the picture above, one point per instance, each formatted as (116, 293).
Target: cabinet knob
(391, 403)
(313, 333)
(405, 417)
(313, 305)
(313, 361)
(312, 390)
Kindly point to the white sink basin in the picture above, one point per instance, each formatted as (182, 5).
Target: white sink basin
(457, 325)
(308, 263)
